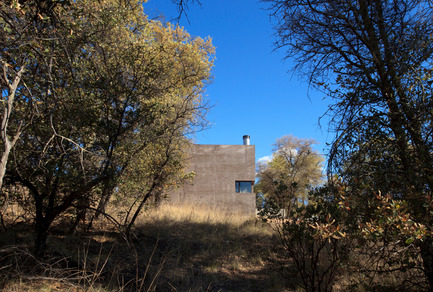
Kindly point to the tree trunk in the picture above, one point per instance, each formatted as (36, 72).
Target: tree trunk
(103, 202)
(427, 260)
(5, 121)
(41, 230)
(42, 225)
(137, 212)
(4, 159)
(81, 212)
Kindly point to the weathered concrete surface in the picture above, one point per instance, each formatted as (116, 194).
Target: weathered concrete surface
(217, 168)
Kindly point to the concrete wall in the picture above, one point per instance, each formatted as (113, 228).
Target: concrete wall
(217, 168)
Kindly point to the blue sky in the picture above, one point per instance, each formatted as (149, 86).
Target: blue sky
(253, 93)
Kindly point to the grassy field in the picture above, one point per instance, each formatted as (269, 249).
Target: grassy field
(174, 248)
(171, 249)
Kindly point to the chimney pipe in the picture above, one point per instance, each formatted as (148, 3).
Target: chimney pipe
(246, 139)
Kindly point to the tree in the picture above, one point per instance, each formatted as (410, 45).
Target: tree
(18, 44)
(110, 85)
(373, 58)
(294, 170)
(314, 238)
(160, 169)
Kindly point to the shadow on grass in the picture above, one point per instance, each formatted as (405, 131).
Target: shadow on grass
(212, 256)
(163, 255)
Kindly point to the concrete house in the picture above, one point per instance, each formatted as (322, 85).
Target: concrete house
(224, 178)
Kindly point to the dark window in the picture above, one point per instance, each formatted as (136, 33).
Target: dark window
(244, 187)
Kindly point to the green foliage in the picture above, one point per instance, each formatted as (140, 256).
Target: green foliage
(269, 209)
(106, 93)
(315, 238)
(295, 169)
(392, 219)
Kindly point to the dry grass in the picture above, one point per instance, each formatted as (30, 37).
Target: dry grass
(192, 213)
(210, 250)
(172, 248)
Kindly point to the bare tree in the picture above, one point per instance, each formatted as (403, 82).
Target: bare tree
(373, 59)
(182, 7)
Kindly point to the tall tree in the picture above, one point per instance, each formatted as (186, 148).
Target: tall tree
(110, 85)
(373, 58)
(295, 168)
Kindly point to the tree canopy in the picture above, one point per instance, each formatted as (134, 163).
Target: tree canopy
(101, 85)
(295, 169)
